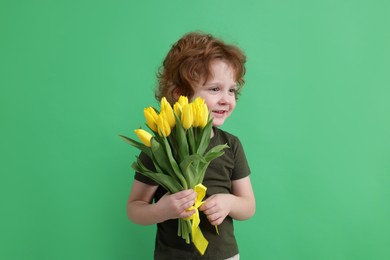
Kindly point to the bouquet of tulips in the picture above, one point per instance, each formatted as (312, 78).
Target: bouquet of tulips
(177, 147)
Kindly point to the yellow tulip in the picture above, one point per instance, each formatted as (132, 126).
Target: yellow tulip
(144, 136)
(151, 118)
(200, 112)
(167, 108)
(177, 108)
(164, 129)
(183, 100)
(187, 117)
(198, 101)
(203, 114)
(164, 103)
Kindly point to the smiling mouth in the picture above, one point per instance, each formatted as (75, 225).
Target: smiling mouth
(219, 112)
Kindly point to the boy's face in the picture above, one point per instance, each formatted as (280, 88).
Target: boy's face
(219, 92)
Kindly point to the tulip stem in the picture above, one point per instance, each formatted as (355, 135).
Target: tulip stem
(191, 140)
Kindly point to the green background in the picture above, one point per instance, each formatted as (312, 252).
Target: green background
(313, 119)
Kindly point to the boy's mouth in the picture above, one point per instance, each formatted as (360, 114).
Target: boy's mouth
(219, 112)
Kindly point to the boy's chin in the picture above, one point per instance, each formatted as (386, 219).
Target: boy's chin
(218, 122)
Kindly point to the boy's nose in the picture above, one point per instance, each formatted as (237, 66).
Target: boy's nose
(224, 98)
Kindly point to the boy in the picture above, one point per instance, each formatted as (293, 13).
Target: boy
(200, 65)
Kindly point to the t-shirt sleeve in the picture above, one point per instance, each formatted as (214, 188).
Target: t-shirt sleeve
(241, 166)
(147, 161)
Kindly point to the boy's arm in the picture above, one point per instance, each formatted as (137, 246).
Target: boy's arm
(141, 210)
(243, 204)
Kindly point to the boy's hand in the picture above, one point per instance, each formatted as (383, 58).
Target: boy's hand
(173, 206)
(216, 208)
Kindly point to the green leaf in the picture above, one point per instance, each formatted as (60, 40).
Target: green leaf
(193, 176)
(215, 152)
(204, 138)
(190, 168)
(201, 170)
(161, 159)
(181, 139)
(137, 145)
(177, 171)
(173, 143)
(191, 140)
(162, 179)
(192, 158)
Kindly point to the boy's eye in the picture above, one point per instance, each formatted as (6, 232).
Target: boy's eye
(233, 90)
(214, 89)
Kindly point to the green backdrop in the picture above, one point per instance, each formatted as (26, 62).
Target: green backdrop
(313, 119)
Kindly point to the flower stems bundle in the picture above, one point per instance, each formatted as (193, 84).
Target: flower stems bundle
(177, 147)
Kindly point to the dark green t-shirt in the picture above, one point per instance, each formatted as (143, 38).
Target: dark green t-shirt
(232, 165)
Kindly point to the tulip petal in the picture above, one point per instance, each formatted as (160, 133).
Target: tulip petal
(187, 117)
(183, 100)
(164, 129)
(151, 117)
(167, 108)
(144, 136)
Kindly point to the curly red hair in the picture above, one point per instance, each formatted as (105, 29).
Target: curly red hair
(188, 62)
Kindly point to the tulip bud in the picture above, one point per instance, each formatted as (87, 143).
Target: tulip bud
(200, 112)
(177, 108)
(187, 117)
(167, 108)
(144, 136)
(198, 101)
(163, 126)
(183, 100)
(203, 115)
(151, 118)
(163, 103)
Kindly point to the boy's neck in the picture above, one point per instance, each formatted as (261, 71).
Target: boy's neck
(212, 132)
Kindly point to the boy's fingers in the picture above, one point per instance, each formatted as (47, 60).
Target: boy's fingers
(184, 193)
(188, 194)
(187, 214)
